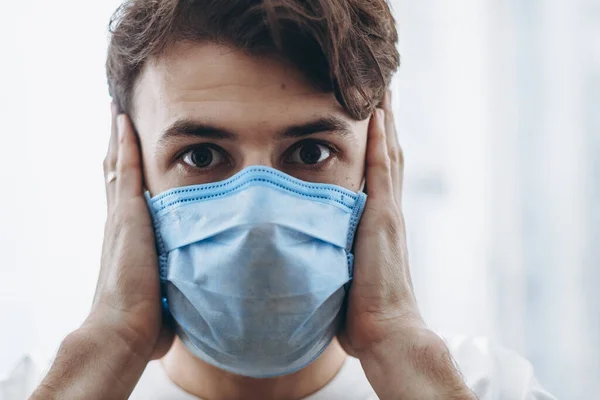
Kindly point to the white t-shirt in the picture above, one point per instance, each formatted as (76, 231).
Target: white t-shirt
(492, 372)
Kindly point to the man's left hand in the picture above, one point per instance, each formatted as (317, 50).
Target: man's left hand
(401, 357)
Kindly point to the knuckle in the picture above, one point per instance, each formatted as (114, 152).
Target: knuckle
(124, 140)
(380, 162)
(127, 163)
(396, 154)
(379, 134)
(395, 151)
(123, 167)
(400, 155)
(108, 163)
(394, 157)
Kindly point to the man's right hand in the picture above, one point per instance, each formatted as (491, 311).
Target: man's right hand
(124, 331)
(127, 301)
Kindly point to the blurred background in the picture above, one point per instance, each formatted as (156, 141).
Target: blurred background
(498, 108)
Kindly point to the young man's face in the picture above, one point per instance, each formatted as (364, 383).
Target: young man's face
(205, 112)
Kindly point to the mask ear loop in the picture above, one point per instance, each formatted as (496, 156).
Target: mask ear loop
(362, 188)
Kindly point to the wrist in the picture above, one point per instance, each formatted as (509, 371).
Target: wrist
(408, 341)
(93, 364)
(109, 325)
(415, 364)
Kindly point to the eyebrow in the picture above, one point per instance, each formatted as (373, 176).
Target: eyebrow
(187, 128)
(330, 123)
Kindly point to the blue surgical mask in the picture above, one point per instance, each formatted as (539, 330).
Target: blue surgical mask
(255, 269)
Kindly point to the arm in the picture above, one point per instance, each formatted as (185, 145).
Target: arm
(105, 358)
(426, 369)
(401, 357)
(92, 365)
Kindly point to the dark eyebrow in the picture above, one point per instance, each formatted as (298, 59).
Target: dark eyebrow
(321, 125)
(193, 129)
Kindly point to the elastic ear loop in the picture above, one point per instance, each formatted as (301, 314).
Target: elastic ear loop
(363, 185)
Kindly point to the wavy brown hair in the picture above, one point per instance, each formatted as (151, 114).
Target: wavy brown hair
(347, 47)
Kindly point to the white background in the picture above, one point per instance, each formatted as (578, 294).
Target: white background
(498, 107)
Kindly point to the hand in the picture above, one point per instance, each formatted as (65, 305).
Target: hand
(105, 358)
(381, 298)
(127, 301)
(402, 358)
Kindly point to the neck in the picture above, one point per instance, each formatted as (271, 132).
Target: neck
(210, 383)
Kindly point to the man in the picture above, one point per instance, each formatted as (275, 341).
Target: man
(255, 127)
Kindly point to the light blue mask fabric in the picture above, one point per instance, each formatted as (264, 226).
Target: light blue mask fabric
(255, 269)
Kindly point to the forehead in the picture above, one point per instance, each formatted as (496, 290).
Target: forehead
(209, 81)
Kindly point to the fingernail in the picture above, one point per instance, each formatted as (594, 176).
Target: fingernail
(121, 125)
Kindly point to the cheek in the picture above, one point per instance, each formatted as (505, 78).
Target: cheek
(352, 174)
(143, 122)
(351, 170)
(151, 175)
(155, 180)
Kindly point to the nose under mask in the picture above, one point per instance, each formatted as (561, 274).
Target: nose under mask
(255, 269)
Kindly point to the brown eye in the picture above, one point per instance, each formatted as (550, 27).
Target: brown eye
(203, 157)
(310, 153)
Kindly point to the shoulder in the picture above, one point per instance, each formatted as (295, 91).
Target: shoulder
(494, 372)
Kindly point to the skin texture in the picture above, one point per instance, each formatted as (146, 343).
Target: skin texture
(254, 100)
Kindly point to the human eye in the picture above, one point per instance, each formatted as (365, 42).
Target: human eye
(204, 157)
(310, 153)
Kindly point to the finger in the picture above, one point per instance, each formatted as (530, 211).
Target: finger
(378, 161)
(113, 144)
(394, 149)
(129, 168)
(110, 161)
